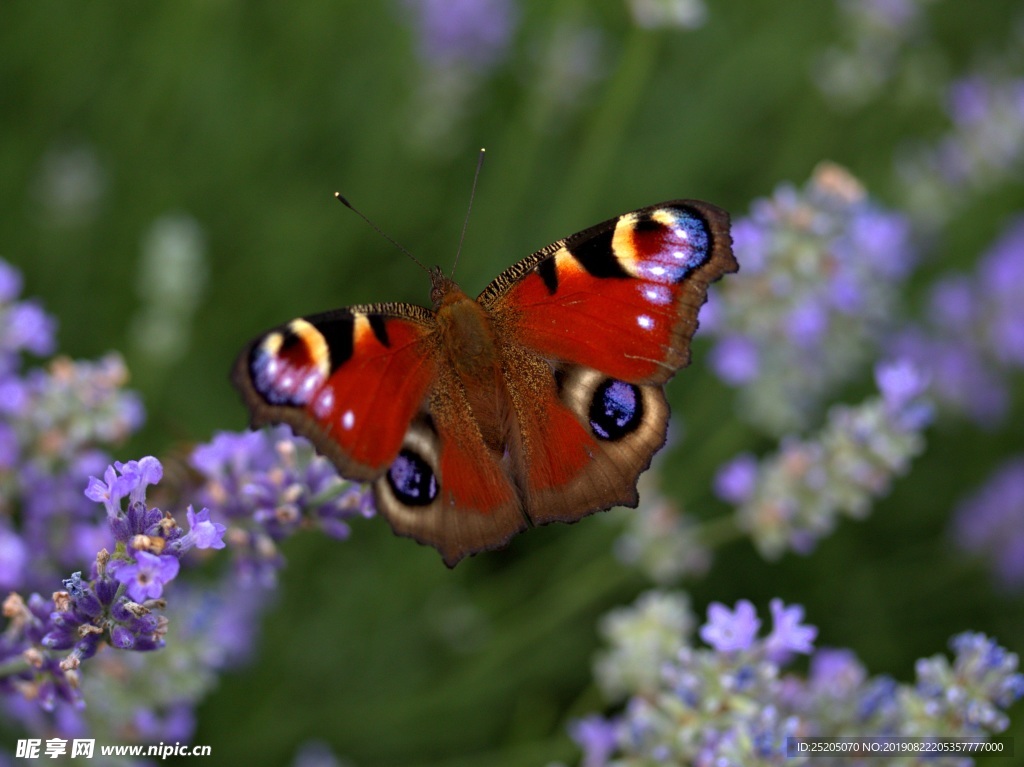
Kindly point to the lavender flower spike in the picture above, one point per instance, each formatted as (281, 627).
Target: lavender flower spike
(792, 498)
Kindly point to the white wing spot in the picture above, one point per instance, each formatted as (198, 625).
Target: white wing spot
(658, 295)
(645, 322)
(348, 420)
(324, 403)
(310, 382)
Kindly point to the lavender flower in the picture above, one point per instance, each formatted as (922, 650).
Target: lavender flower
(269, 484)
(974, 335)
(54, 424)
(990, 523)
(203, 533)
(730, 630)
(24, 326)
(660, 539)
(792, 498)
(462, 33)
(881, 39)
(788, 634)
(732, 704)
(597, 737)
(983, 149)
(643, 637)
(821, 272)
(145, 578)
(118, 604)
(458, 43)
(972, 692)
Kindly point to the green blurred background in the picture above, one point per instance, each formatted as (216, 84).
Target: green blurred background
(244, 118)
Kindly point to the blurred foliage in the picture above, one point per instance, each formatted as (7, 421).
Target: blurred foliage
(248, 116)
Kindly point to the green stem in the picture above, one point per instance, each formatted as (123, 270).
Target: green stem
(719, 531)
(330, 493)
(13, 666)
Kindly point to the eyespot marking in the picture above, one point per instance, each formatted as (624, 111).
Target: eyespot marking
(616, 409)
(412, 480)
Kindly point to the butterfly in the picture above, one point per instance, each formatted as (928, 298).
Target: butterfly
(540, 401)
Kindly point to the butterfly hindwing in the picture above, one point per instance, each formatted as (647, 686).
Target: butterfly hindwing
(368, 387)
(447, 488)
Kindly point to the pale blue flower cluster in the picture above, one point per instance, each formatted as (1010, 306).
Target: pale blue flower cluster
(982, 150)
(734, 703)
(792, 498)
(821, 272)
(880, 41)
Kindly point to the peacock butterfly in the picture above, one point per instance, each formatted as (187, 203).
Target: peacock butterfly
(540, 401)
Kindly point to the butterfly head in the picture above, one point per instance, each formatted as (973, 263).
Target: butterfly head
(441, 285)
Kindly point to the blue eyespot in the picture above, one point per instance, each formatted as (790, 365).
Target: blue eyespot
(616, 409)
(412, 480)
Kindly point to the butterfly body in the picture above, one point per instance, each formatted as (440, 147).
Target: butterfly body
(541, 400)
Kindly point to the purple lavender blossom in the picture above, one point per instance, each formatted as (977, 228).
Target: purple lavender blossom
(597, 737)
(788, 635)
(28, 327)
(55, 425)
(13, 559)
(204, 533)
(974, 690)
(821, 277)
(10, 282)
(148, 575)
(903, 387)
(736, 480)
(983, 149)
(736, 360)
(462, 33)
(962, 380)
(269, 484)
(790, 499)
(736, 705)
(974, 335)
(1000, 275)
(110, 491)
(836, 673)
(731, 630)
(990, 523)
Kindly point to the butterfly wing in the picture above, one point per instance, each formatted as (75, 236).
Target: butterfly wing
(592, 327)
(367, 386)
(350, 381)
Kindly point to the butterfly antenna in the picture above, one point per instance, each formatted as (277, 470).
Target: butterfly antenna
(341, 198)
(472, 194)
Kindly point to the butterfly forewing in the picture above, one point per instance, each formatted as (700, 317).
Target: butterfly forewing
(350, 380)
